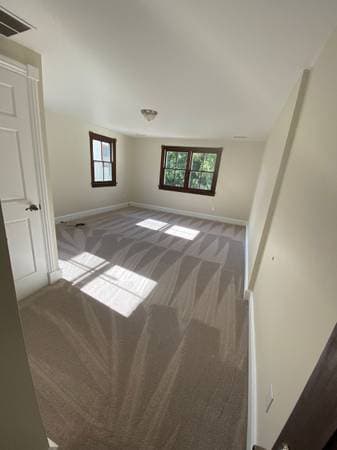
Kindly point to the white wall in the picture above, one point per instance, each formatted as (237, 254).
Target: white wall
(269, 171)
(138, 167)
(68, 141)
(240, 163)
(295, 290)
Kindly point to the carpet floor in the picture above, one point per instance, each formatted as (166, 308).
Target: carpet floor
(143, 344)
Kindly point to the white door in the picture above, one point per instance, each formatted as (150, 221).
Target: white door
(18, 186)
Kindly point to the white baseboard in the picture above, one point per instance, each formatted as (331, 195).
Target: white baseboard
(89, 212)
(92, 212)
(252, 381)
(54, 276)
(52, 445)
(246, 278)
(189, 213)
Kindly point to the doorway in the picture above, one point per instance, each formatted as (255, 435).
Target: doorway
(23, 185)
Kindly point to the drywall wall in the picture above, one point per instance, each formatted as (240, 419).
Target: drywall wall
(240, 163)
(69, 150)
(138, 166)
(295, 303)
(20, 422)
(267, 179)
(25, 55)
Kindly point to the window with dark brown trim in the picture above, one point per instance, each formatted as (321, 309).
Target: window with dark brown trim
(189, 169)
(103, 160)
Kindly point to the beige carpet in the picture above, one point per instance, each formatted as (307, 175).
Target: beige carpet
(144, 344)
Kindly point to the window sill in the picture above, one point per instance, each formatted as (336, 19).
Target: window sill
(187, 191)
(103, 184)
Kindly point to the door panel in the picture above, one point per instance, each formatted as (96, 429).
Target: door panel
(7, 99)
(11, 179)
(332, 443)
(314, 418)
(19, 187)
(21, 248)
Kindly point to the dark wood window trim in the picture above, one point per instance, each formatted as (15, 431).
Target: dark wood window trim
(188, 170)
(112, 161)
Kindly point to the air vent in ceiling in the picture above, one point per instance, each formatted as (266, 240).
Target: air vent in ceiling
(10, 24)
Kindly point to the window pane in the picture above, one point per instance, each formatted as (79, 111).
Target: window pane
(96, 149)
(181, 160)
(194, 180)
(209, 178)
(179, 178)
(169, 177)
(98, 170)
(171, 159)
(107, 172)
(197, 161)
(106, 151)
(201, 180)
(206, 181)
(209, 163)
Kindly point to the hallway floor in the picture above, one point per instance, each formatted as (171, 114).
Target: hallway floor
(144, 343)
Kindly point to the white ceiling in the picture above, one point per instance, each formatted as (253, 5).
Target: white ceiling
(212, 68)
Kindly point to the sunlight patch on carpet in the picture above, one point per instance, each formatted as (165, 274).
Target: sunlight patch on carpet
(174, 230)
(116, 287)
(152, 224)
(120, 289)
(183, 232)
(75, 268)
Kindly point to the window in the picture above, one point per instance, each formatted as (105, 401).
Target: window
(103, 160)
(188, 169)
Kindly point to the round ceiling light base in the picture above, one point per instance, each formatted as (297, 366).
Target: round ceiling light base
(149, 114)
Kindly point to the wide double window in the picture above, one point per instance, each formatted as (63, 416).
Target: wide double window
(190, 169)
(103, 160)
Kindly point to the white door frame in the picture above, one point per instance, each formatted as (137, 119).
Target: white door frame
(32, 74)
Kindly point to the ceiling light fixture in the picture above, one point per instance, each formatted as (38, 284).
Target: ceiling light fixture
(149, 114)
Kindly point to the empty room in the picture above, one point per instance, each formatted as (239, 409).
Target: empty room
(168, 247)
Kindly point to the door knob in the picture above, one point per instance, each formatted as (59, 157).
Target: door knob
(32, 207)
(285, 447)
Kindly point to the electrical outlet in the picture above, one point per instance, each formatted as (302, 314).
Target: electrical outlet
(269, 398)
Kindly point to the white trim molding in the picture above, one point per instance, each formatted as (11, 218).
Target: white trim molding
(12, 65)
(33, 78)
(90, 212)
(54, 276)
(252, 379)
(189, 213)
(246, 276)
(52, 445)
(32, 75)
